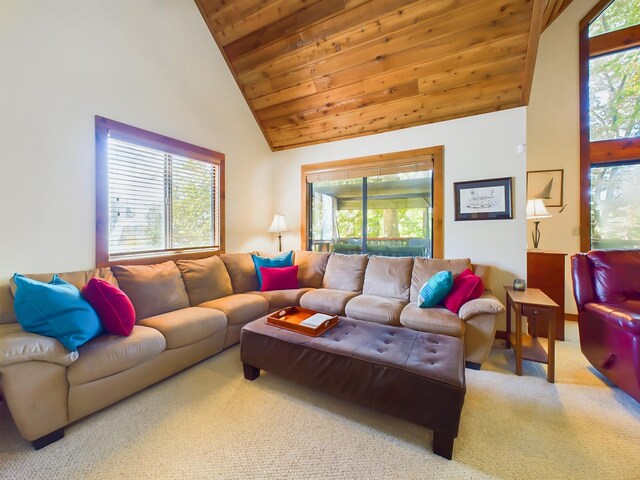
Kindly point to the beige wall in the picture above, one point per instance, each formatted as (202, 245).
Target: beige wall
(484, 146)
(553, 131)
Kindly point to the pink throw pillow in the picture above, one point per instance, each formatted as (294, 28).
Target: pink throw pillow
(282, 278)
(112, 305)
(466, 286)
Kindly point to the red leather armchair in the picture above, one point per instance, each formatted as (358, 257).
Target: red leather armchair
(606, 286)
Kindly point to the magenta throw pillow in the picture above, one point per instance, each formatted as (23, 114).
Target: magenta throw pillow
(112, 305)
(282, 278)
(466, 286)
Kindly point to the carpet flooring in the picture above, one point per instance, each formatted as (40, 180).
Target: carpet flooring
(208, 422)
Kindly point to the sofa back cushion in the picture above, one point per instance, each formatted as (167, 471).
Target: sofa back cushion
(311, 267)
(615, 275)
(153, 289)
(345, 272)
(205, 279)
(388, 277)
(242, 271)
(425, 268)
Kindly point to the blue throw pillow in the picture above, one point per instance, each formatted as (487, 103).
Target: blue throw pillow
(55, 309)
(284, 260)
(436, 288)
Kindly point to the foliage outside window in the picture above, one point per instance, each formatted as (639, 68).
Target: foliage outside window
(610, 120)
(160, 197)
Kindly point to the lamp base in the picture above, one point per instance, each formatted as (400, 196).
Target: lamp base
(535, 235)
(279, 243)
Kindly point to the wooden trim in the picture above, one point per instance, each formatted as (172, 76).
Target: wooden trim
(615, 151)
(553, 10)
(585, 144)
(434, 154)
(532, 49)
(615, 41)
(572, 317)
(209, 24)
(105, 127)
(593, 13)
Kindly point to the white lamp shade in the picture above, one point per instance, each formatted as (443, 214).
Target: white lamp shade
(278, 225)
(536, 209)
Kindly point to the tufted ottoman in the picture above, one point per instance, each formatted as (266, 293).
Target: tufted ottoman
(413, 375)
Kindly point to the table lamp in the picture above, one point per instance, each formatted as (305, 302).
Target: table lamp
(278, 226)
(536, 211)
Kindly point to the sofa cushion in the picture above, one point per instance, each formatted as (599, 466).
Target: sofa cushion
(625, 314)
(436, 288)
(55, 309)
(615, 274)
(425, 268)
(466, 287)
(388, 277)
(327, 300)
(153, 289)
(282, 298)
(432, 320)
(284, 260)
(111, 354)
(17, 346)
(376, 309)
(240, 308)
(311, 267)
(112, 305)
(282, 278)
(187, 325)
(345, 272)
(242, 271)
(205, 279)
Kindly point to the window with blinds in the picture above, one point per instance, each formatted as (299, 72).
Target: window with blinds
(162, 198)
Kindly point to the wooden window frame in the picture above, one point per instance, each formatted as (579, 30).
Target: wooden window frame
(153, 140)
(431, 154)
(600, 152)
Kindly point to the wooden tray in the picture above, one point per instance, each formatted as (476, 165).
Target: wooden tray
(290, 318)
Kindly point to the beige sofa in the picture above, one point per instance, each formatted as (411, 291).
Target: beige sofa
(192, 309)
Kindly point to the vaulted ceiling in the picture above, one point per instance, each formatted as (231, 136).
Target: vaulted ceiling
(315, 71)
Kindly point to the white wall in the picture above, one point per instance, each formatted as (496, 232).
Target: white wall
(553, 131)
(483, 146)
(148, 63)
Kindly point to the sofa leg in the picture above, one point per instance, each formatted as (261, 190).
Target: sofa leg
(48, 439)
(472, 365)
(250, 372)
(443, 445)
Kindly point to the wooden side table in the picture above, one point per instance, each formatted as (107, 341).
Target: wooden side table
(535, 305)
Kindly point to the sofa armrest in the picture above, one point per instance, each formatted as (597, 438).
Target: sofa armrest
(17, 346)
(486, 303)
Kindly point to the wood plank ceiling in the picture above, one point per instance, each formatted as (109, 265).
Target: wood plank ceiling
(316, 71)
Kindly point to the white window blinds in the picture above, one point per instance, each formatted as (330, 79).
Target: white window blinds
(160, 202)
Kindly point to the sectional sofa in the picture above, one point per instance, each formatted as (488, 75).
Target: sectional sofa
(189, 310)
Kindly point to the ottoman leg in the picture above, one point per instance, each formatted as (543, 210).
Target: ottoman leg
(443, 445)
(250, 372)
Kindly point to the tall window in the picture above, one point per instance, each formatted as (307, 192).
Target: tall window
(156, 197)
(610, 125)
(382, 205)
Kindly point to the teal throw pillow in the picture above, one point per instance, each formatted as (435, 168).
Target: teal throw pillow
(436, 288)
(284, 260)
(55, 309)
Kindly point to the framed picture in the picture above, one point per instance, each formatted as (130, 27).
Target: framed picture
(547, 185)
(483, 199)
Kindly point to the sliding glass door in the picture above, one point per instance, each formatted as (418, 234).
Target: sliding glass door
(380, 214)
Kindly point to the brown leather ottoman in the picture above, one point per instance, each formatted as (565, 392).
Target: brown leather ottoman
(413, 375)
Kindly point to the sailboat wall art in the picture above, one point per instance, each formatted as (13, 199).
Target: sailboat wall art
(545, 185)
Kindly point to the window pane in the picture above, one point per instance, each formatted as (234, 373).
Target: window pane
(136, 198)
(620, 14)
(193, 202)
(399, 214)
(336, 216)
(615, 206)
(614, 95)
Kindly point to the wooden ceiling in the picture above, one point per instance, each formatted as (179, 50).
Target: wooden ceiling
(316, 71)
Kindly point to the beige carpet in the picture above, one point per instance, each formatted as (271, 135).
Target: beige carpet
(209, 422)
